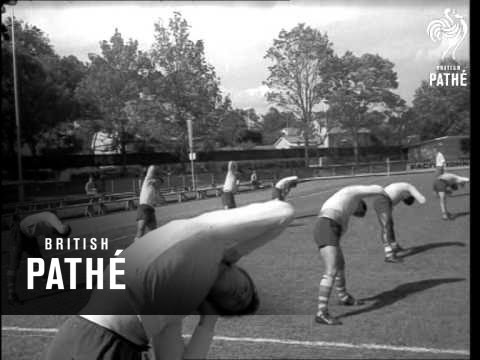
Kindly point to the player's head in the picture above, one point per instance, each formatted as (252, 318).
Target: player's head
(409, 200)
(234, 292)
(454, 187)
(361, 209)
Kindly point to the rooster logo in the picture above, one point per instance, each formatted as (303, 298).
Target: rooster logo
(452, 28)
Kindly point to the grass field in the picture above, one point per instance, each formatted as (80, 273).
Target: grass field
(416, 309)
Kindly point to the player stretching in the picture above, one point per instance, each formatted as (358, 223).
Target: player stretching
(444, 185)
(25, 236)
(331, 224)
(149, 196)
(283, 187)
(182, 268)
(384, 206)
(230, 186)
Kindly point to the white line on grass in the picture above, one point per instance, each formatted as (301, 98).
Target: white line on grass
(51, 331)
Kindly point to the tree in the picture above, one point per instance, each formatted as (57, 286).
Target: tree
(113, 79)
(249, 136)
(299, 56)
(189, 83)
(232, 124)
(358, 91)
(273, 122)
(443, 110)
(43, 101)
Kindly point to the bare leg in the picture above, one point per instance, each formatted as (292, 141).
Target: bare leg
(331, 256)
(443, 206)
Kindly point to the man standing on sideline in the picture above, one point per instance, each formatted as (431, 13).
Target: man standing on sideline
(384, 207)
(230, 186)
(443, 186)
(25, 236)
(331, 224)
(440, 163)
(149, 197)
(254, 180)
(90, 187)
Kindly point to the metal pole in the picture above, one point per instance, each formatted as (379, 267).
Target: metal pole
(21, 193)
(193, 174)
(190, 143)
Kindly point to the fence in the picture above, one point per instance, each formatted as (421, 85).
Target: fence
(46, 190)
(122, 194)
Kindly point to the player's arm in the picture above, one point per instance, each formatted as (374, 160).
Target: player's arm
(201, 338)
(55, 222)
(167, 341)
(416, 194)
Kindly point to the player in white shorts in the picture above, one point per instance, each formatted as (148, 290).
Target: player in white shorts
(283, 186)
(148, 199)
(25, 236)
(230, 186)
(182, 268)
(444, 185)
(331, 224)
(383, 205)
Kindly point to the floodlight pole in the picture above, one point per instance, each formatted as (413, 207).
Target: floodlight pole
(21, 194)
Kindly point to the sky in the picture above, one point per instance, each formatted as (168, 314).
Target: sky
(237, 34)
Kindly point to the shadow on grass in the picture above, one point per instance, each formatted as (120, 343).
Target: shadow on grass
(421, 248)
(459, 214)
(303, 216)
(459, 195)
(296, 224)
(390, 297)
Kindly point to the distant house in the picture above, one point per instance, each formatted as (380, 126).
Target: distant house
(338, 137)
(103, 143)
(335, 137)
(296, 141)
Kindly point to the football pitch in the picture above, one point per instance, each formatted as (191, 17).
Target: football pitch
(416, 309)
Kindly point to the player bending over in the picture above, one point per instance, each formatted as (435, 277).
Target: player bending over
(444, 185)
(283, 187)
(384, 206)
(25, 236)
(184, 267)
(230, 186)
(149, 197)
(331, 224)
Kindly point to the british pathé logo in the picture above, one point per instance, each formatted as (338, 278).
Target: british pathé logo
(451, 28)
